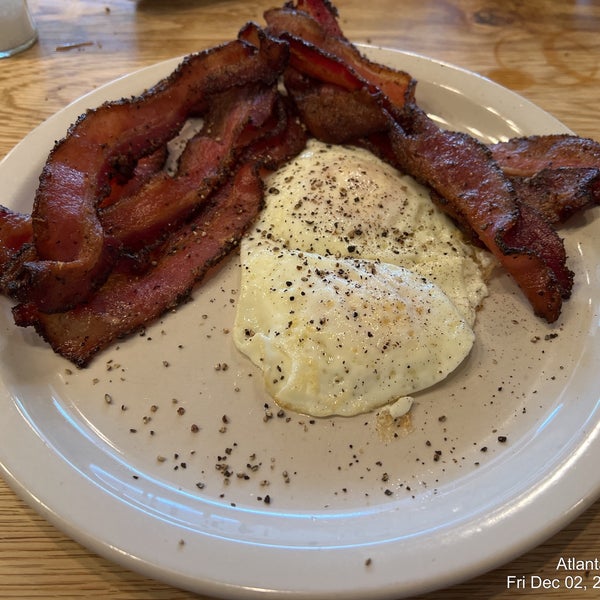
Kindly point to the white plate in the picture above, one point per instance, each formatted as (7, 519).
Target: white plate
(352, 511)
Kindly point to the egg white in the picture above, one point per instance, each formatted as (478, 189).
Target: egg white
(385, 289)
(343, 201)
(343, 336)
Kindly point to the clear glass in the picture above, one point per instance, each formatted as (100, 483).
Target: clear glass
(17, 29)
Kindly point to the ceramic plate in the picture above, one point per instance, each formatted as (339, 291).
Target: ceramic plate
(166, 455)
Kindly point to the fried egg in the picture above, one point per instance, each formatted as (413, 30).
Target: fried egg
(356, 291)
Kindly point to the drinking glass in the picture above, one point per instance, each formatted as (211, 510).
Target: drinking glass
(17, 29)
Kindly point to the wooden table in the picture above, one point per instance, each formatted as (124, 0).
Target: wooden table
(547, 51)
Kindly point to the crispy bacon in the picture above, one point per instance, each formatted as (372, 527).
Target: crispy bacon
(320, 50)
(558, 175)
(16, 246)
(324, 13)
(125, 303)
(326, 73)
(336, 104)
(286, 139)
(463, 173)
(234, 117)
(146, 168)
(75, 255)
(332, 114)
(142, 288)
(15, 231)
(558, 194)
(527, 156)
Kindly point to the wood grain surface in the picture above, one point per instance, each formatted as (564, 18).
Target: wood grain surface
(548, 51)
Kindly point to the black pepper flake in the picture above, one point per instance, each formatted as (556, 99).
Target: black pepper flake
(502, 439)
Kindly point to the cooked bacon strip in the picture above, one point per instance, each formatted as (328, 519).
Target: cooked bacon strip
(235, 116)
(125, 303)
(323, 99)
(462, 172)
(333, 114)
(558, 175)
(16, 230)
(313, 31)
(16, 245)
(339, 92)
(141, 288)
(75, 256)
(335, 103)
(147, 167)
(287, 138)
(527, 156)
(12, 269)
(324, 13)
(531, 239)
(559, 193)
